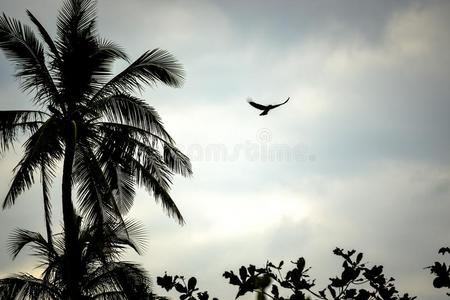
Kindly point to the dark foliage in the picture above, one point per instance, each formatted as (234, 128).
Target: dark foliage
(188, 290)
(110, 142)
(103, 275)
(441, 272)
(357, 281)
(88, 116)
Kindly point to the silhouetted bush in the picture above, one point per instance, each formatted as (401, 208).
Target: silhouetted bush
(357, 281)
(441, 271)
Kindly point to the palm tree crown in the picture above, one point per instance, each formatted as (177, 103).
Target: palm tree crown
(103, 275)
(110, 141)
(119, 140)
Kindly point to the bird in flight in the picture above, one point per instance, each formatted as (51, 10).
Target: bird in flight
(265, 108)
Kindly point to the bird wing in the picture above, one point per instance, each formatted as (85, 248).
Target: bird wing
(256, 105)
(282, 103)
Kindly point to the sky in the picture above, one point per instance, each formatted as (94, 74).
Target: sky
(359, 158)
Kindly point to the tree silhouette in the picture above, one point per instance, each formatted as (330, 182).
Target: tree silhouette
(109, 141)
(357, 281)
(441, 272)
(103, 276)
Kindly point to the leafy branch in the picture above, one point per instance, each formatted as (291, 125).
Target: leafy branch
(357, 281)
(441, 272)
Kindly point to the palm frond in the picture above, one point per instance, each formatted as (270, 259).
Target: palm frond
(77, 44)
(75, 75)
(46, 37)
(130, 233)
(132, 132)
(39, 245)
(132, 279)
(145, 177)
(43, 145)
(91, 187)
(125, 109)
(106, 242)
(75, 17)
(113, 152)
(25, 286)
(127, 149)
(150, 68)
(105, 54)
(97, 246)
(22, 47)
(121, 179)
(177, 161)
(149, 168)
(15, 122)
(55, 264)
(95, 197)
(23, 179)
(174, 159)
(129, 280)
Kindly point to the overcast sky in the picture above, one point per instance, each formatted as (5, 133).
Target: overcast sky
(358, 158)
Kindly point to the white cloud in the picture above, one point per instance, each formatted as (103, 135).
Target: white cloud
(413, 39)
(374, 113)
(387, 213)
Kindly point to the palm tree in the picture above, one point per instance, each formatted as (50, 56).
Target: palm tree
(109, 141)
(103, 276)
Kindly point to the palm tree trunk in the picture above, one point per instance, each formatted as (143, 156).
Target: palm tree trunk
(70, 221)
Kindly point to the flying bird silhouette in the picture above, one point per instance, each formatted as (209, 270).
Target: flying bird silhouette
(265, 108)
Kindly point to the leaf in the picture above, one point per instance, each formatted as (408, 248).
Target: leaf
(438, 282)
(286, 284)
(203, 296)
(301, 264)
(151, 67)
(337, 282)
(359, 258)
(275, 291)
(243, 273)
(234, 280)
(180, 288)
(164, 282)
(192, 282)
(444, 250)
(350, 293)
(338, 251)
(23, 48)
(251, 270)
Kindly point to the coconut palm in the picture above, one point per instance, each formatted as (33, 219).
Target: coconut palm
(103, 275)
(108, 140)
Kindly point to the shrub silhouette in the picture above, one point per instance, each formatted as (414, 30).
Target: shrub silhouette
(357, 281)
(441, 272)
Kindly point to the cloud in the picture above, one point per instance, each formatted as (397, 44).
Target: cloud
(369, 88)
(387, 213)
(413, 40)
